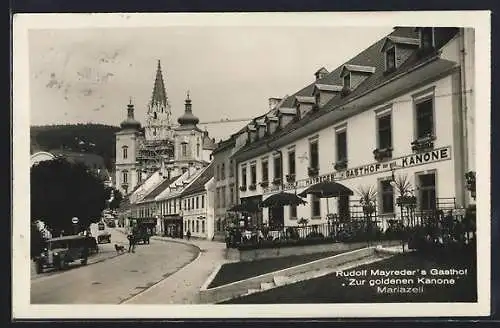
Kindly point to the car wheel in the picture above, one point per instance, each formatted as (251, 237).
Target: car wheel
(39, 267)
(84, 261)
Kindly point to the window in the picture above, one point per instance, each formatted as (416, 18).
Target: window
(390, 59)
(125, 176)
(384, 131)
(427, 191)
(424, 118)
(315, 206)
(293, 211)
(198, 149)
(184, 149)
(265, 171)
(386, 197)
(192, 225)
(217, 172)
(291, 163)
(217, 197)
(244, 176)
(347, 81)
(125, 152)
(185, 225)
(222, 171)
(197, 226)
(202, 226)
(154, 129)
(253, 174)
(231, 169)
(341, 146)
(155, 116)
(202, 201)
(223, 197)
(313, 154)
(427, 37)
(277, 168)
(139, 176)
(231, 195)
(197, 202)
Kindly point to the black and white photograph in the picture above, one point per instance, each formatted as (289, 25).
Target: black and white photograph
(296, 164)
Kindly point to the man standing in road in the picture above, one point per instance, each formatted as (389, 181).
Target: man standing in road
(131, 241)
(188, 234)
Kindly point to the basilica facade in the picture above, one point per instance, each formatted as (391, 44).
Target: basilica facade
(160, 145)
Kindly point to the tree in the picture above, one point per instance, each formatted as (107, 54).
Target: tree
(117, 198)
(61, 190)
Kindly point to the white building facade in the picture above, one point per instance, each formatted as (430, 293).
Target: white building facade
(403, 107)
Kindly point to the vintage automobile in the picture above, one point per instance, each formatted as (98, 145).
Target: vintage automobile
(61, 251)
(103, 236)
(142, 234)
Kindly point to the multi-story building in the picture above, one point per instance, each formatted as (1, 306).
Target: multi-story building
(403, 107)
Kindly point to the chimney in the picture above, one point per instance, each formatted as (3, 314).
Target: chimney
(273, 102)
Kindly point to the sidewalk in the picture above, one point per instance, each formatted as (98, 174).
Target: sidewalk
(183, 286)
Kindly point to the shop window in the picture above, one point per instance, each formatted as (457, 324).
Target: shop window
(253, 174)
(315, 206)
(341, 138)
(390, 59)
(424, 110)
(293, 212)
(426, 191)
(384, 131)
(386, 197)
(265, 171)
(125, 152)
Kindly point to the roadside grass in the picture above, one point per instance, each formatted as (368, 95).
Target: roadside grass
(333, 289)
(231, 272)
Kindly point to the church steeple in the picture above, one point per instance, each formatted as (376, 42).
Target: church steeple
(188, 118)
(159, 100)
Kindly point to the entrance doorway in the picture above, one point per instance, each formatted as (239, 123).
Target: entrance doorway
(276, 216)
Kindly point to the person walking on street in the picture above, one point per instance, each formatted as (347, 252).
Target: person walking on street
(131, 242)
(188, 234)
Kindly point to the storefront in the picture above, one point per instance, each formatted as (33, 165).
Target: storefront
(172, 226)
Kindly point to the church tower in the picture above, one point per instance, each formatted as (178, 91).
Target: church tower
(127, 140)
(158, 119)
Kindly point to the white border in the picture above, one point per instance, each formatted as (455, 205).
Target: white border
(21, 307)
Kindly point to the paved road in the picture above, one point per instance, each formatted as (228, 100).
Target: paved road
(114, 280)
(106, 251)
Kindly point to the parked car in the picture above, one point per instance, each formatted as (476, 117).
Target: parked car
(103, 236)
(142, 235)
(60, 252)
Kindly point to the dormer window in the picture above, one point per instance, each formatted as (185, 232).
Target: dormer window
(427, 38)
(347, 81)
(390, 59)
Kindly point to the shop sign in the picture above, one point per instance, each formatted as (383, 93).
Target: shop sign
(432, 156)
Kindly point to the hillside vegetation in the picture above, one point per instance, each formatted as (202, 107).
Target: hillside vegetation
(93, 138)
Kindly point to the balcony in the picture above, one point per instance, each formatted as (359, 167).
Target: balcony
(381, 154)
(340, 165)
(423, 144)
(252, 187)
(312, 171)
(264, 184)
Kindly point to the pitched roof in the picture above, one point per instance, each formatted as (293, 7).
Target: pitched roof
(198, 185)
(162, 186)
(371, 56)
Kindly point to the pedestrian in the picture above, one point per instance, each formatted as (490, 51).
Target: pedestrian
(188, 234)
(131, 243)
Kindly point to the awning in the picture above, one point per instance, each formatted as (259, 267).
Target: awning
(327, 189)
(282, 199)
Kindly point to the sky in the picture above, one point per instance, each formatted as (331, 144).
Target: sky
(82, 75)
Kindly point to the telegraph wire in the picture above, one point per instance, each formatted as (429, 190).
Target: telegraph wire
(227, 120)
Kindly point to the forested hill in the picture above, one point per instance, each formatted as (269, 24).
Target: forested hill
(93, 138)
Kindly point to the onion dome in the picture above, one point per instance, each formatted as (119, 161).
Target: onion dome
(130, 122)
(188, 118)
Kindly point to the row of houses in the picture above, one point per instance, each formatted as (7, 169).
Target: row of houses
(403, 107)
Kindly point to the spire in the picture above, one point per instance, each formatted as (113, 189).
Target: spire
(130, 122)
(159, 96)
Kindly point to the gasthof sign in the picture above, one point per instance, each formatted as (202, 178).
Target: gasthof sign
(432, 156)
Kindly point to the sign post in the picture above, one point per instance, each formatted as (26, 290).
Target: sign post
(75, 220)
